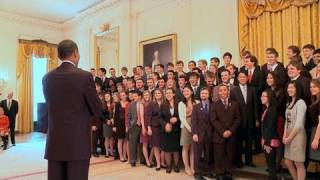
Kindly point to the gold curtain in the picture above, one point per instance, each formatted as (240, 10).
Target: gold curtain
(277, 24)
(26, 51)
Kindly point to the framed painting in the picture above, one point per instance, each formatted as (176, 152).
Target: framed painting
(159, 50)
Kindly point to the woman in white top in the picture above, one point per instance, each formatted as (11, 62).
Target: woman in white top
(185, 112)
(294, 137)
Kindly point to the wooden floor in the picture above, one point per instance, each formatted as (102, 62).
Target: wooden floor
(25, 162)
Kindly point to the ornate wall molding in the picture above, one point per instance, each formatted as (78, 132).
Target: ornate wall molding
(29, 20)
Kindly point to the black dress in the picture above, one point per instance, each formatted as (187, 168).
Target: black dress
(119, 121)
(170, 142)
(155, 125)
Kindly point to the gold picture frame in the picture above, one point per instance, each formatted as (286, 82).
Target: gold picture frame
(165, 46)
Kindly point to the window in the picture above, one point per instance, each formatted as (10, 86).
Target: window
(39, 69)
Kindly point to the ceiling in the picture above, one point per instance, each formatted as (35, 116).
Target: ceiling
(57, 11)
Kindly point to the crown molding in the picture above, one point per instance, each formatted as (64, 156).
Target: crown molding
(11, 17)
(92, 11)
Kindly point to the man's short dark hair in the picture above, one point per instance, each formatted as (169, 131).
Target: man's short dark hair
(317, 51)
(227, 54)
(216, 59)
(183, 77)
(103, 70)
(193, 62)
(170, 64)
(149, 66)
(112, 69)
(124, 69)
(66, 48)
(272, 51)
(180, 62)
(294, 49)
(225, 70)
(296, 64)
(309, 46)
(141, 67)
(92, 69)
(160, 65)
(194, 74)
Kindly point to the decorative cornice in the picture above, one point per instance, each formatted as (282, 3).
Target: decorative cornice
(29, 20)
(93, 11)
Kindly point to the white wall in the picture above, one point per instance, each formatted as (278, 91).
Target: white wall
(205, 28)
(11, 30)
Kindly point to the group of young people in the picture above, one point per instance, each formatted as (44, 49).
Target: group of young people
(211, 116)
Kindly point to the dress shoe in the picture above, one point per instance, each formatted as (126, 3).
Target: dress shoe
(168, 170)
(158, 169)
(96, 155)
(133, 164)
(228, 176)
(220, 177)
(176, 169)
(209, 175)
(198, 177)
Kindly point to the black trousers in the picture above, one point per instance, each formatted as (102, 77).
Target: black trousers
(12, 128)
(244, 135)
(224, 157)
(272, 164)
(68, 170)
(200, 148)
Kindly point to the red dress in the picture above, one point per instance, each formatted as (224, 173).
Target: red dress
(4, 125)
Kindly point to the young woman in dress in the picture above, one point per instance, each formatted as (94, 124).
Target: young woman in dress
(294, 137)
(170, 137)
(185, 112)
(108, 125)
(155, 127)
(144, 137)
(270, 139)
(280, 97)
(121, 124)
(314, 153)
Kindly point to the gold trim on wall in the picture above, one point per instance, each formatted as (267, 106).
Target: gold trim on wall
(173, 37)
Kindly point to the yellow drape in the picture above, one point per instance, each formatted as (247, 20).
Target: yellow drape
(26, 50)
(278, 24)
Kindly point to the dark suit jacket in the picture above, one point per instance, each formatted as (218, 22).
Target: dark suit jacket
(132, 115)
(269, 125)
(72, 103)
(257, 81)
(279, 70)
(249, 110)
(179, 95)
(223, 119)
(12, 112)
(310, 65)
(165, 116)
(200, 121)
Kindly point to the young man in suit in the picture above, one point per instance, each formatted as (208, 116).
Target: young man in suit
(11, 108)
(194, 81)
(227, 57)
(225, 119)
(225, 78)
(103, 80)
(72, 103)
(257, 81)
(308, 50)
(202, 134)
(182, 82)
(135, 117)
(124, 74)
(273, 65)
(247, 100)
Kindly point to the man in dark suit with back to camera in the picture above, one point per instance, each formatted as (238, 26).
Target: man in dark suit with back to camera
(72, 103)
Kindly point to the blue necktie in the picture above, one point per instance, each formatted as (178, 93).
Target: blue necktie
(206, 107)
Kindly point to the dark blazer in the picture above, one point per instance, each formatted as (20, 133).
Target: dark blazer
(12, 112)
(200, 121)
(165, 117)
(280, 71)
(197, 93)
(249, 110)
(72, 103)
(223, 119)
(257, 81)
(179, 95)
(310, 65)
(132, 115)
(269, 125)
